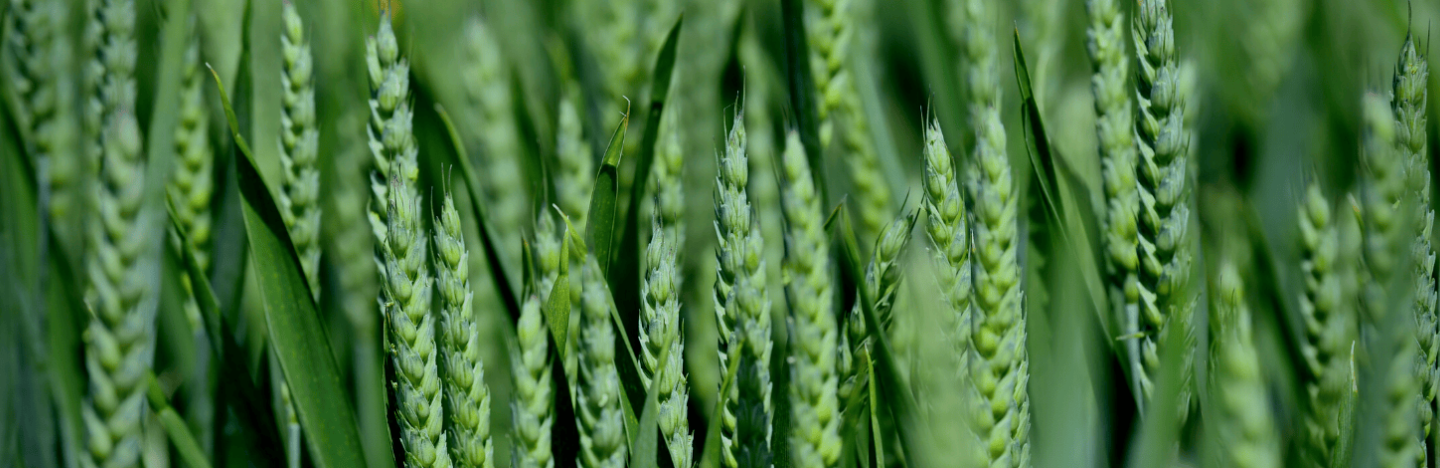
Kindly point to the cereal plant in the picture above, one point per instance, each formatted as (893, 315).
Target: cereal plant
(823, 233)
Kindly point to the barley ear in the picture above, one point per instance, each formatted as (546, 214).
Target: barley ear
(1244, 431)
(815, 421)
(1114, 124)
(299, 197)
(831, 26)
(598, 414)
(1165, 296)
(1408, 101)
(39, 73)
(742, 306)
(533, 408)
(467, 397)
(661, 333)
(120, 337)
(1330, 247)
(405, 291)
(1387, 209)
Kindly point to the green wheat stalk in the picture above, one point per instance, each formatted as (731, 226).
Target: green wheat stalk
(191, 185)
(38, 73)
(400, 255)
(999, 364)
(832, 26)
(1244, 430)
(1114, 126)
(742, 306)
(1165, 294)
(533, 408)
(488, 87)
(1390, 342)
(662, 337)
(299, 197)
(815, 421)
(120, 337)
(1330, 248)
(947, 225)
(466, 396)
(1408, 102)
(598, 414)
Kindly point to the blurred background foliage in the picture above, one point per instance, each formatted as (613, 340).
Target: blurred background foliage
(1277, 85)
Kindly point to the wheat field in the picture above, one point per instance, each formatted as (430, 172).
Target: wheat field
(718, 233)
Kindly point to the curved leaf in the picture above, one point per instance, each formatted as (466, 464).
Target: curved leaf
(623, 280)
(295, 332)
(600, 232)
(174, 426)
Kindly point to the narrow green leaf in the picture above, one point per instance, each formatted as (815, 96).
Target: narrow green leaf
(624, 279)
(645, 449)
(802, 89)
(1066, 201)
(600, 232)
(175, 426)
(295, 331)
(913, 440)
(254, 405)
(488, 242)
(557, 306)
(710, 457)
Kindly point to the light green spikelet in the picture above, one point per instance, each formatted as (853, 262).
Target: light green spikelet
(1244, 431)
(763, 150)
(948, 227)
(1114, 129)
(1409, 104)
(1165, 242)
(883, 276)
(1330, 247)
(575, 177)
(533, 408)
(742, 304)
(191, 185)
(120, 337)
(832, 28)
(466, 396)
(488, 87)
(598, 414)
(999, 364)
(405, 291)
(815, 420)
(1390, 343)
(547, 253)
(660, 333)
(299, 198)
(38, 73)
(119, 341)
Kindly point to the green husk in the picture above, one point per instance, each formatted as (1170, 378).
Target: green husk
(1330, 244)
(742, 306)
(598, 413)
(1409, 105)
(533, 407)
(120, 338)
(299, 197)
(467, 397)
(405, 277)
(662, 343)
(1165, 243)
(815, 421)
(1242, 427)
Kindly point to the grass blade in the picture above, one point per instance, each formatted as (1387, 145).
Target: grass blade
(645, 448)
(1064, 200)
(488, 241)
(623, 281)
(175, 427)
(295, 331)
(254, 406)
(600, 231)
(710, 457)
(557, 306)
